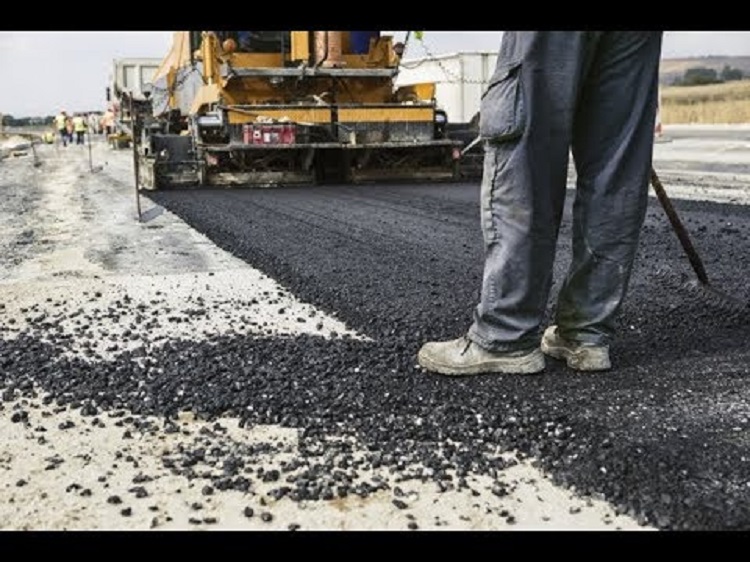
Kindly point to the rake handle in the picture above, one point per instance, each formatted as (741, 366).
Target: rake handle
(679, 228)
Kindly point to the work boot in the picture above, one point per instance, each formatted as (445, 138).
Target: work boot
(464, 357)
(579, 356)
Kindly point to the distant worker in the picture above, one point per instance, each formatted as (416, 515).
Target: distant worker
(245, 39)
(92, 120)
(69, 127)
(79, 128)
(108, 122)
(61, 125)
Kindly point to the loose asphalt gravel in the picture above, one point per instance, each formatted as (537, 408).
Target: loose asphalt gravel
(662, 437)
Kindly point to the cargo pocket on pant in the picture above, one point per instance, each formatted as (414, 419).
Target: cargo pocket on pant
(502, 113)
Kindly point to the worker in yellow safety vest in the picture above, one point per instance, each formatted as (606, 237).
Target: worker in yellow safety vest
(79, 127)
(61, 120)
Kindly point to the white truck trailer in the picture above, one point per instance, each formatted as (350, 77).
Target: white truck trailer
(459, 78)
(129, 77)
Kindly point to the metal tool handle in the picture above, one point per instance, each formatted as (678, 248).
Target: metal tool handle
(679, 229)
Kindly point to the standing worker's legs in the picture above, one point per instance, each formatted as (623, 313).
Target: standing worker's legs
(527, 116)
(612, 147)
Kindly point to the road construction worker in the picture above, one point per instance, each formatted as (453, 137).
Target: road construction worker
(92, 120)
(61, 125)
(79, 128)
(69, 128)
(108, 122)
(592, 94)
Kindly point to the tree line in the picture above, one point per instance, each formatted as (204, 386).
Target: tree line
(700, 75)
(10, 121)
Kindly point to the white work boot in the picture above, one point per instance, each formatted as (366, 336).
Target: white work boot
(464, 357)
(579, 356)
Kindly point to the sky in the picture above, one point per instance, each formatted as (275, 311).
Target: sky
(45, 71)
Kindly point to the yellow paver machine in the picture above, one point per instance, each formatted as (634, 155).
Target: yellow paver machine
(269, 108)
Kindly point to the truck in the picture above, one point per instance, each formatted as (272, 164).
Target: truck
(129, 83)
(269, 108)
(460, 79)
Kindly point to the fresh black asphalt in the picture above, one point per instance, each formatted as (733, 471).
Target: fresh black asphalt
(663, 436)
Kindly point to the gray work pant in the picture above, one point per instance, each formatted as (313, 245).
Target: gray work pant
(592, 94)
